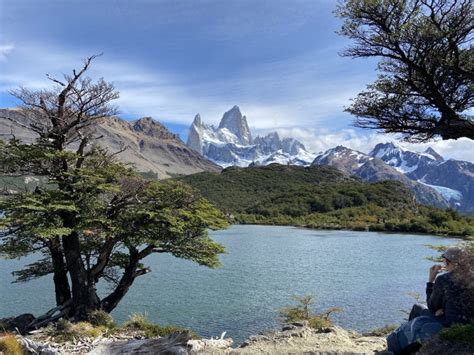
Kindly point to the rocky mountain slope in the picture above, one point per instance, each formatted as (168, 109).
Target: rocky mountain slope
(372, 169)
(150, 147)
(231, 143)
(453, 179)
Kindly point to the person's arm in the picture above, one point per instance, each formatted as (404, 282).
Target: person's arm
(434, 290)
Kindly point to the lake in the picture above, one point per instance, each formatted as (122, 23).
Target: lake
(368, 274)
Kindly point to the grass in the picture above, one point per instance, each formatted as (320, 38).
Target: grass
(102, 319)
(139, 321)
(383, 331)
(459, 333)
(102, 324)
(64, 330)
(9, 345)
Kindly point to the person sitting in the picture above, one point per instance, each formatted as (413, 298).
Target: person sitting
(446, 298)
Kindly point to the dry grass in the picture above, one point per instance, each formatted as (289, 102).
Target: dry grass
(9, 345)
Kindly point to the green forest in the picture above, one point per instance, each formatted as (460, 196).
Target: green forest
(322, 197)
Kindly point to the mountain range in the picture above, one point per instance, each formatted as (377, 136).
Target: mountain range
(149, 145)
(434, 180)
(231, 143)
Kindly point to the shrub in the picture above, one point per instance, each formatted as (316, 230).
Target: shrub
(139, 321)
(459, 333)
(9, 345)
(302, 312)
(102, 318)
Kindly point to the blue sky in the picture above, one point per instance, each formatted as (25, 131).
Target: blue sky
(278, 60)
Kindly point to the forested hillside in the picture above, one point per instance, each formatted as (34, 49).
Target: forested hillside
(322, 197)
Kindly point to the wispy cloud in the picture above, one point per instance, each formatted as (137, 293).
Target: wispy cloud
(5, 50)
(320, 140)
(277, 96)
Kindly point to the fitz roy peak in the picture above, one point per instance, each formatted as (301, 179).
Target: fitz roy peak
(236, 124)
(231, 143)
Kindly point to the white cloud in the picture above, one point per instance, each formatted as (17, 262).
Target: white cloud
(5, 50)
(174, 98)
(319, 140)
(309, 110)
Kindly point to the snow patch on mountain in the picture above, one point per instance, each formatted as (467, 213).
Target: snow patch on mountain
(446, 192)
(231, 143)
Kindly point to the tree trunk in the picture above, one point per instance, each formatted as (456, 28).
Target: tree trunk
(109, 303)
(84, 296)
(61, 281)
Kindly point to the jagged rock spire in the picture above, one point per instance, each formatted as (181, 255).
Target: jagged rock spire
(237, 124)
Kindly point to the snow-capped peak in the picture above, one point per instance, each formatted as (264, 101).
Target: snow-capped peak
(402, 159)
(237, 124)
(231, 143)
(197, 120)
(434, 154)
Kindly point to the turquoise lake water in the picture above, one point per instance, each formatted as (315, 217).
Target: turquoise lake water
(368, 274)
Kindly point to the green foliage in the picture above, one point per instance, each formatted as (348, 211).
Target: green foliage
(117, 217)
(322, 197)
(139, 321)
(9, 345)
(459, 333)
(100, 318)
(302, 312)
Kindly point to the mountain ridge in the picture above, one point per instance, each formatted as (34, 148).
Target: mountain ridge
(150, 146)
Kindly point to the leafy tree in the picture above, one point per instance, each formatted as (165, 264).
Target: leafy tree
(96, 219)
(426, 81)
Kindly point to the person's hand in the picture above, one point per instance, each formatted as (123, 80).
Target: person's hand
(439, 312)
(434, 271)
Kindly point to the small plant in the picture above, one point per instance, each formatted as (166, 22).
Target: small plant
(102, 318)
(383, 331)
(9, 345)
(139, 321)
(302, 312)
(459, 333)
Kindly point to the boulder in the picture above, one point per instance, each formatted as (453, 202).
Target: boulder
(19, 323)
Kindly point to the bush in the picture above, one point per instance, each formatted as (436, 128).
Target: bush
(459, 333)
(139, 321)
(101, 318)
(301, 312)
(9, 345)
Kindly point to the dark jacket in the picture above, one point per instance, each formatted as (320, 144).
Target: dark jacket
(446, 294)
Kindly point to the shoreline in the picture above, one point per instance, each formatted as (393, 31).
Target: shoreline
(455, 236)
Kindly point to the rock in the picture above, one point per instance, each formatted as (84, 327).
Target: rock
(33, 347)
(175, 344)
(20, 322)
(210, 345)
(299, 338)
